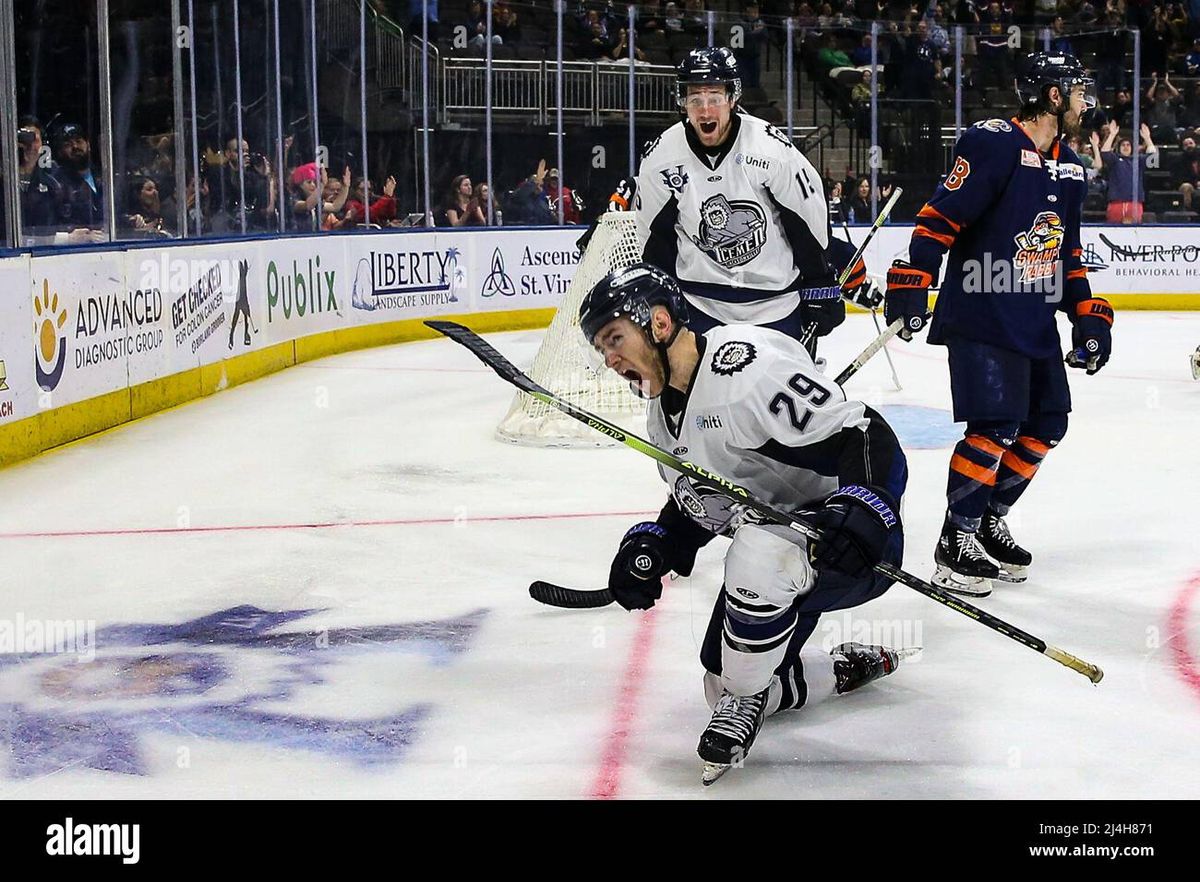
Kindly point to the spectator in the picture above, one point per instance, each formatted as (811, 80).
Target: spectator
(1125, 206)
(1186, 173)
(145, 218)
(224, 184)
(1045, 11)
(1161, 115)
(418, 10)
(1191, 62)
(1156, 41)
(1110, 54)
(1122, 108)
(749, 57)
(528, 204)
(505, 24)
(571, 203)
(937, 30)
(695, 19)
(1060, 43)
(861, 57)
(621, 48)
(482, 196)
(40, 190)
(383, 209)
(995, 58)
(858, 208)
(673, 22)
(333, 198)
(310, 185)
(461, 210)
(80, 204)
(650, 17)
(1177, 23)
(919, 64)
(477, 26)
(1189, 111)
(837, 206)
(831, 57)
(595, 42)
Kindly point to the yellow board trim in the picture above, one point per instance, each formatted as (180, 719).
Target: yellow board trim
(28, 437)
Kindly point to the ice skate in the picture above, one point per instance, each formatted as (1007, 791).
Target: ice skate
(731, 732)
(1011, 559)
(962, 566)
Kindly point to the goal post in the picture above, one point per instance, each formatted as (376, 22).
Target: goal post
(563, 364)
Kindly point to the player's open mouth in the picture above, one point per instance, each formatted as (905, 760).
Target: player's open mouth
(708, 128)
(632, 376)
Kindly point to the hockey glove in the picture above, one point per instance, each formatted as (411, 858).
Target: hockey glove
(636, 575)
(1091, 335)
(858, 288)
(855, 523)
(907, 297)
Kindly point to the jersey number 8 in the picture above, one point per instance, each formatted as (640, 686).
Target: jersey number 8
(810, 390)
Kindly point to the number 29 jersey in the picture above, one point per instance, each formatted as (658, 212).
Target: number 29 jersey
(759, 413)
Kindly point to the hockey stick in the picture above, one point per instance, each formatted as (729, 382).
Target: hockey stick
(506, 370)
(875, 317)
(879, 221)
(569, 598)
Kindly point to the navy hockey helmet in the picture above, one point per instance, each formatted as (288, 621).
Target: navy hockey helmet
(1043, 70)
(715, 66)
(629, 292)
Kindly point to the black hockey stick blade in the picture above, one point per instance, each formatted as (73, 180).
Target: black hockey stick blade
(569, 598)
(486, 353)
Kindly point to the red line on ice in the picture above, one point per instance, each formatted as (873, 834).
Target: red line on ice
(608, 779)
(1177, 635)
(326, 525)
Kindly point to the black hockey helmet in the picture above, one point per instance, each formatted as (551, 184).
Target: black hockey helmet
(1043, 70)
(715, 66)
(629, 292)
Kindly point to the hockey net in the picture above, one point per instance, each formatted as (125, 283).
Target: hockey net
(563, 365)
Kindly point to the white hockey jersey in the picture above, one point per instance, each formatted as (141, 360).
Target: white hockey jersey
(759, 413)
(742, 228)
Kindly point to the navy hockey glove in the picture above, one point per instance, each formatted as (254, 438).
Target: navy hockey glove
(1091, 335)
(907, 297)
(858, 288)
(855, 523)
(636, 574)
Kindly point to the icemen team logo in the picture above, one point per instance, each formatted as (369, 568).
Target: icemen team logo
(50, 343)
(498, 281)
(240, 675)
(675, 180)
(731, 233)
(1038, 247)
(732, 357)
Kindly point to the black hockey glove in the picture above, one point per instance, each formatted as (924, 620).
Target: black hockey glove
(1091, 335)
(858, 288)
(824, 309)
(855, 524)
(907, 297)
(636, 574)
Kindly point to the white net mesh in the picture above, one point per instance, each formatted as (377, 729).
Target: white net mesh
(562, 364)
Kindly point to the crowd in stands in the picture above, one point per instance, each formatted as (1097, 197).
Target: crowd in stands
(61, 186)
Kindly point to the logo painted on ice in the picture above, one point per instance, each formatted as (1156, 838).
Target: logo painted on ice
(498, 281)
(50, 342)
(228, 675)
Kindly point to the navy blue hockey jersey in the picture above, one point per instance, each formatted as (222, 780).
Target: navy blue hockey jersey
(1009, 216)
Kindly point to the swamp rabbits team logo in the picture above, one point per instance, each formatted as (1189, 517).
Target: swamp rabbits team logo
(1038, 247)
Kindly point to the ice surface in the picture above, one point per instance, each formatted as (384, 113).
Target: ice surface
(368, 489)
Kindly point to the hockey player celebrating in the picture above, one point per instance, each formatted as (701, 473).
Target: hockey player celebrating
(1008, 213)
(747, 402)
(728, 205)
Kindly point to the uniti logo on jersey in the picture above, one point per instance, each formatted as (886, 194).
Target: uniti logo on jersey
(731, 233)
(1038, 247)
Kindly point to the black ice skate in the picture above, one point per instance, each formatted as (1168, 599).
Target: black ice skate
(1011, 559)
(731, 732)
(856, 664)
(962, 566)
